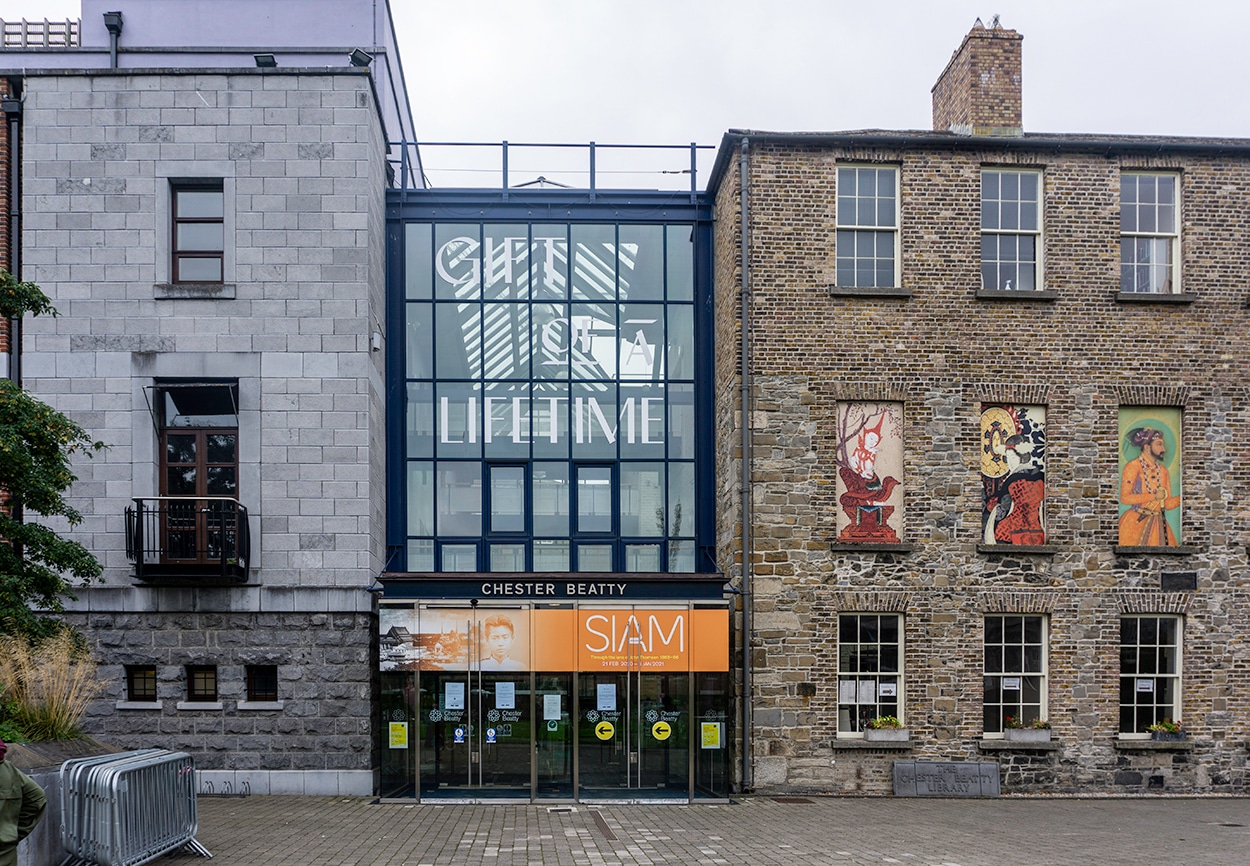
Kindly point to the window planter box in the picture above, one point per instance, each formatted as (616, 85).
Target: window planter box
(886, 735)
(1169, 736)
(1027, 735)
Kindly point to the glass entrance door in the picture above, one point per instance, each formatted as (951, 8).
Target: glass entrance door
(476, 706)
(634, 733)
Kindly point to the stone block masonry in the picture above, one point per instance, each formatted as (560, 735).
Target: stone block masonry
(943, 349)
(300, 157)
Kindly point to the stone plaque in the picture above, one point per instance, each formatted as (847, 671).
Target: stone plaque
(1178, 581)
(946, 779)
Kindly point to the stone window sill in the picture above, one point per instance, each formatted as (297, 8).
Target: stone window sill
(194, 291)
(1179, 550)
(1017, 549)
(1016, 295)
(997, 745)
(1127, 744)
(138, 705)
(200, 705)
(868, 292)
(260, 705)
(860, 743)
(1155, 298)
(870, 547)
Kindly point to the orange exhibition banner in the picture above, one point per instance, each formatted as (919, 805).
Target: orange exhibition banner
(554, 632)
(652, 640)
(621, 639)
(710, 651)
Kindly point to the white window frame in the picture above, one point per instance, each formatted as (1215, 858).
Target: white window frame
(849, 726)
(847, 220)
(1129, 680)
(1131, 232)
(1008, 672)
(992, 225)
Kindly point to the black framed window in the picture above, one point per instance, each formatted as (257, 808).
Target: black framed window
(198, 231)
(1150, 671)
(202, 683)
(870, 657)
(141, 683)
(1015, 671)
(262, 682)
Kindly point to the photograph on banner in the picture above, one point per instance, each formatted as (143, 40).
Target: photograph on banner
(454, 639)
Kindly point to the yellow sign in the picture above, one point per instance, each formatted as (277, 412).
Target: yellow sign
(604, 730)
(399, 735)
(661, 730)
(711, 734)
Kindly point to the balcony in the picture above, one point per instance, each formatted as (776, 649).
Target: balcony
(188, 540)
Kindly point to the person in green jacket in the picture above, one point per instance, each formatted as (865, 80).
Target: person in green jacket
(21, 806)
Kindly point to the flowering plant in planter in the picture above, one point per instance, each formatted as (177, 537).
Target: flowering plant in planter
(887, 729)
(1036, 731)
(1166, 730)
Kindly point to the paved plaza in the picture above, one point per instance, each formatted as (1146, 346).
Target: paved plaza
(761, 831)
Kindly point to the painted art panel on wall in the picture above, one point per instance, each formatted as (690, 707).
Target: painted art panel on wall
(1150, 476)
(870, 472)
(1013, 474)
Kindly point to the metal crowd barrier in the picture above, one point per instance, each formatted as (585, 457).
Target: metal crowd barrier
(128, 808)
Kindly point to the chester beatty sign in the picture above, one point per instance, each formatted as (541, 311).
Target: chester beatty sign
(555, 587)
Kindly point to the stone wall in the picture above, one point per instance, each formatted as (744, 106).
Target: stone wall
(942, 349)
(301, 157)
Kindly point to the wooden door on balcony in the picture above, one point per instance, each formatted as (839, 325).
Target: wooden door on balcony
(201, 464)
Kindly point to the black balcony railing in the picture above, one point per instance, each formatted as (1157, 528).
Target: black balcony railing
(188, 538)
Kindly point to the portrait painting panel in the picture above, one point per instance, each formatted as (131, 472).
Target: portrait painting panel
(1150, 476)
(870, 472)
(1013, 474)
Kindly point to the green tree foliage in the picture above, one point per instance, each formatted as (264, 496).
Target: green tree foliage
(37, 445)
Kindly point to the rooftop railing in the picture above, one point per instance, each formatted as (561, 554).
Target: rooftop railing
(42, 33)
(518, 167)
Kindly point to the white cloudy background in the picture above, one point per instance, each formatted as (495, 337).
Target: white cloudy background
(676, 71)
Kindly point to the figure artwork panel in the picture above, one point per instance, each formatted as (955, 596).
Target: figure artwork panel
(1150, 476)
(1013, 474)
(453, 639)
(870, 472)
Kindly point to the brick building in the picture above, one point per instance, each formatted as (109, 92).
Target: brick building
(995, 444)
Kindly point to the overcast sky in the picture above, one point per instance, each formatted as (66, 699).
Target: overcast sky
(677, 71)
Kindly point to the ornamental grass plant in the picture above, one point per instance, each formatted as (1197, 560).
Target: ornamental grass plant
(46, 685)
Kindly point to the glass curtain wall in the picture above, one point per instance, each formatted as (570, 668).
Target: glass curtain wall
(550, 401)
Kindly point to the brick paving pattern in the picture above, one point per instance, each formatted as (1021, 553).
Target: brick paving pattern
(338, 831)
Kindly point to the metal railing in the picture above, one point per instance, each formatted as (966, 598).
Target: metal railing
(42, 33)
(188, 537)
(580, 167)
(129, 808)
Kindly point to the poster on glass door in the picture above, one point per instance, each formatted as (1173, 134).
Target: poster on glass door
(454, 640)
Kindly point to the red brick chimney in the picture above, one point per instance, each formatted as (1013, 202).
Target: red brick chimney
(978, 93)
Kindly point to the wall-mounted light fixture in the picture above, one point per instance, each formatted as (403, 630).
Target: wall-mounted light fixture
(265, 61)
(360, 58)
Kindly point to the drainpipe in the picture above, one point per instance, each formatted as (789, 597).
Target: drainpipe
(113, 21)
(12, 107)
(748, 595)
